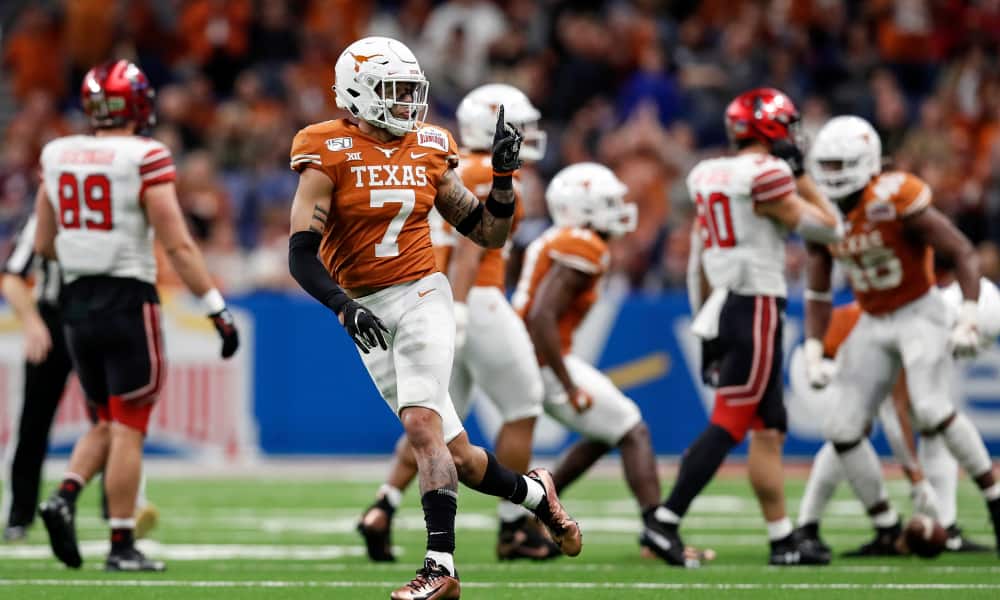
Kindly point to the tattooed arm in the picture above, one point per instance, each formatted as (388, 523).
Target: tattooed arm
(472, 218)
(310, 209)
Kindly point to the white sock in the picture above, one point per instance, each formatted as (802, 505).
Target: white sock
(121, 523)
(510, 512)
(780, 529)
(886, 518)
(665, 515)
(535, 493)
(443, 559)
(824, 477)
(862, 469)
(392, 494)
(941, 471)
(992, 493)
(966, 445)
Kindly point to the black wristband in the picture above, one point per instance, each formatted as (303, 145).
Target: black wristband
(500, 210)
(306, 268)
(469, 223)
(503, 182)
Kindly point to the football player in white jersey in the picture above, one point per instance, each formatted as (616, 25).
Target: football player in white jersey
(746, 205)
(102, 199)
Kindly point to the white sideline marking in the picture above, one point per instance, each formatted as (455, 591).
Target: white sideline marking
(583, 585)
(197, 551)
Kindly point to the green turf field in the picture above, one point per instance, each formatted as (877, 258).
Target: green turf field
(277, 538)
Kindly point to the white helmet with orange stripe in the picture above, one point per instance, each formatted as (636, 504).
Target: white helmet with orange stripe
(380, 81)
(477, 119)
(590, 195)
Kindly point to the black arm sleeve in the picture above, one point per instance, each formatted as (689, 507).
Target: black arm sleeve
(306, 268)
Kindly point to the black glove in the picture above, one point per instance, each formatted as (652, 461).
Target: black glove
(789, 152)
(506, 146)
(226, 326)
(363, 327)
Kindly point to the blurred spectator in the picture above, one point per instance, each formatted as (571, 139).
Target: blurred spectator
(34, 54)
(640, 85)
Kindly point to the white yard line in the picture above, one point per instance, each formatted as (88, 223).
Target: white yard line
(581, 585)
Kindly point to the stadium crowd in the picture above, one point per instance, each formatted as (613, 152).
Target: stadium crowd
(637, 85)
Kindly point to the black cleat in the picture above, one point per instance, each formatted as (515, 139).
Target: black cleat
(375, 527)
(884, 544)
(524, 539)
(809, 537)
(795, 550)
(131, 560)
(957, 542)
(59, 516)
(994, 508)
(664, 540)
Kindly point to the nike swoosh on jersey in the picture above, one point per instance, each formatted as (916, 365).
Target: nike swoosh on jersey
(416, 155)
(425, 292)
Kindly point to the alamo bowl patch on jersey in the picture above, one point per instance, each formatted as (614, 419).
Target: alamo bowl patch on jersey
(432, 137)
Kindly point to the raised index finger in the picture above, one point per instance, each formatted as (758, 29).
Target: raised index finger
(501, 127)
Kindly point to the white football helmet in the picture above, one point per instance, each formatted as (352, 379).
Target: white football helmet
(845, 156)
(372, 74)
(590, 195)
(477, 119)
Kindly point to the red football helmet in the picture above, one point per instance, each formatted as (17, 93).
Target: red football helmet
(763, 114)
(116, 93)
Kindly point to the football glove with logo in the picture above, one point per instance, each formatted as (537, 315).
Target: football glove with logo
(819, 371)
(226, 326)
(364, 328)
(506, 147)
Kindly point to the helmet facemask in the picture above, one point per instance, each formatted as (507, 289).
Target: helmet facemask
(396, 103)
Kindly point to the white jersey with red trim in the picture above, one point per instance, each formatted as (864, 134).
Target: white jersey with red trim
(95, 185)
(743, 252)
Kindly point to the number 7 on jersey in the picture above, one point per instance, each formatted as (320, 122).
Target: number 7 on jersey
(407, 198)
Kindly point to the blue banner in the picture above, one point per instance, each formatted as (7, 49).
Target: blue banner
(312, 394)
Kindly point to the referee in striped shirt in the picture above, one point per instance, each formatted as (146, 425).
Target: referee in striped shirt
(46, 369)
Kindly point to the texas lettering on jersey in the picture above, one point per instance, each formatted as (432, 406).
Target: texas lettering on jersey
(476, 171)
(886, 268)
(377, 232)
(576, 248)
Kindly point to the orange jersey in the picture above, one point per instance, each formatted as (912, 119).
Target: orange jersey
(842, 321)
(574, 247)
(377, 232)
(887, 270)
(476, 171)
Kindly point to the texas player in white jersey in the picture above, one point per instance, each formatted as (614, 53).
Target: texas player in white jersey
(892, 234)
(360, 244)
(492, 348)
(102, 199)
(747, 204)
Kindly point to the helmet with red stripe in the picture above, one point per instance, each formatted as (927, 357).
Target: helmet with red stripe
(116, 93)
(764, 115)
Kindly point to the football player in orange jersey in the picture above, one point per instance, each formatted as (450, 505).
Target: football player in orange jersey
(360, 244)
(557, 287)
(495, 353)
(892, 232)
